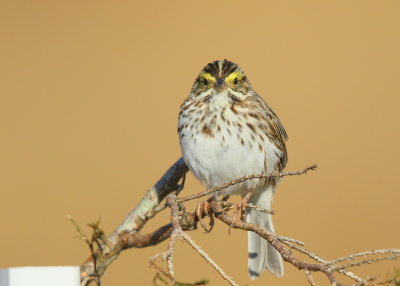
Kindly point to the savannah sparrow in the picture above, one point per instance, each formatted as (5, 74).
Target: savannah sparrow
(227, 131)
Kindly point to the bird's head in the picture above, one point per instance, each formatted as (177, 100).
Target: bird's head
(220, 76)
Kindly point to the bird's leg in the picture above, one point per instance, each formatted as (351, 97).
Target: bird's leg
(240, 207)
(204, 209)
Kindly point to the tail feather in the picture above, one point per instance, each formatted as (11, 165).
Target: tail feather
(262, 255)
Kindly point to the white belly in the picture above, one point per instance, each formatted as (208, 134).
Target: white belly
(223, 158)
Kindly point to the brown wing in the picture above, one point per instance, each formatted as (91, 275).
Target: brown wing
(275, 132)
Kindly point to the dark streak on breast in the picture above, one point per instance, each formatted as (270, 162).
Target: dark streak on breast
(234, 98)
(254, 115)
(233, 109)
(251, 126)
(222, 115)
(207, 98)
(206, 131)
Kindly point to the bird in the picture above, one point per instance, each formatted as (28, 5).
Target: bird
(227, 131)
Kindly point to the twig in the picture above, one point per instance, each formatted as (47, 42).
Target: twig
(310, 278)
(364, 253)
(153, 263)
(288, 239)
(177, 192)
(96, 235)
(203, 254)
(164, 273)
(367, 261)
(246, 178)
(250, 206)
(319, 259)
(178, 232)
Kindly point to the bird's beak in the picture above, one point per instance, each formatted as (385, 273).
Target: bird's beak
(219, 84)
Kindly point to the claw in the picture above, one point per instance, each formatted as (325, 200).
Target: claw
(240, 207)
(204, 209)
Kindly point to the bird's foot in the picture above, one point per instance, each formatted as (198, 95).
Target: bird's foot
(204, 209)
(239, 208)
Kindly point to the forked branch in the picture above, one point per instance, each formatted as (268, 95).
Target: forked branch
(128, 235)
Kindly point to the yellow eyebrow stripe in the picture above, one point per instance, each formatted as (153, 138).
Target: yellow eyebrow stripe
(233, 75)
(207, 76)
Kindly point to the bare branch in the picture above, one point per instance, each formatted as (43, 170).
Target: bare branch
(272, 239)
(128, 235)
(134, 222)
(250, 206)
(367, 261)
(208, 259)
(286, 240)
(246, 178)
(310, 278)
(178, 233)
(317, 258)
(364, 253)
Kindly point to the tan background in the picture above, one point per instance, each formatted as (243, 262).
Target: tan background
(89, 97)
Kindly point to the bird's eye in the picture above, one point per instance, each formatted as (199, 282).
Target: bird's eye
(205, 81)
(236, 81)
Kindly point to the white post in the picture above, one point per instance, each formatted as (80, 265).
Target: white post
(40, 276)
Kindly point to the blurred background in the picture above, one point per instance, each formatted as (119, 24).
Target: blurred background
(89, 99)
